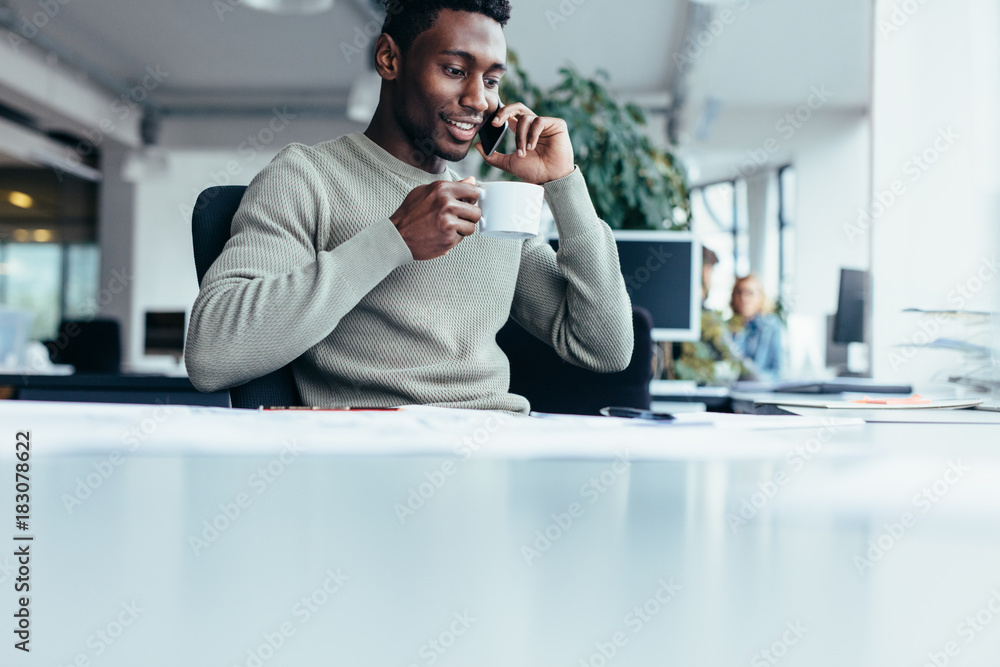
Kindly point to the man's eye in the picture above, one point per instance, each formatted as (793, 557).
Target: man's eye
(453, 71)
(492, 83)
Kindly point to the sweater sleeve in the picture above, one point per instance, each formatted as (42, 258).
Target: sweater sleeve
(575, 300)
(272, 295)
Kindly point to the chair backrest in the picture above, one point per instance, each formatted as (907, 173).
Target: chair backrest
(91, 346)
(211, 226)
(553, 385)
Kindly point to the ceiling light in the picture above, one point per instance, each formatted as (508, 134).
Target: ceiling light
(21, 235)
(20, 200)
(42, 235)
(291, 6)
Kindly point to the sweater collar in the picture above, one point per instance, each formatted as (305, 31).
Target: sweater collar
(386, 159)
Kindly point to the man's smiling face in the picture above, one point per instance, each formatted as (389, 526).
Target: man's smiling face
(450, 83)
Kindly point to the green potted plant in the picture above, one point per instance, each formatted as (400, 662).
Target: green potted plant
(633, 184)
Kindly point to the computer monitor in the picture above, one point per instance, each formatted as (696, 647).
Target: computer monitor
(662, 272)
(849, 323)
(165, 334)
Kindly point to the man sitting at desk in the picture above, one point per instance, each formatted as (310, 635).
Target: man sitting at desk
(357, 259)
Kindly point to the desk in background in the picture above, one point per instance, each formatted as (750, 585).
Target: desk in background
(108, 388)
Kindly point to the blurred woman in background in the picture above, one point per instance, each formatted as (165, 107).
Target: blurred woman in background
(757, 335)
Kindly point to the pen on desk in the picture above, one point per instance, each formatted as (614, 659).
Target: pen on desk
(316, 408)
(635, 413)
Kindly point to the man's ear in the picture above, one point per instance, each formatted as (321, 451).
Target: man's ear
(388, 60)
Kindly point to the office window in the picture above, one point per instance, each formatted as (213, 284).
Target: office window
(32, 276)
(49, 258)
(786, 234)
(53, 281)
(83, 270)
(719, 218)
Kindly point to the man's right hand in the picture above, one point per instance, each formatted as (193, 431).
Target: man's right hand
(434, 218)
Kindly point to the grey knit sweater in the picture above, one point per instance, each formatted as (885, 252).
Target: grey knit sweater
(316, 275)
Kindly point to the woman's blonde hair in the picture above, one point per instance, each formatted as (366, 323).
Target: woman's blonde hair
(766, 307)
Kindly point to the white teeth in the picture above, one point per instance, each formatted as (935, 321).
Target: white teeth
(462, 126)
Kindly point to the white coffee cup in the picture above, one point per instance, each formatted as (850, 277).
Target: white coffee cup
(510, 210)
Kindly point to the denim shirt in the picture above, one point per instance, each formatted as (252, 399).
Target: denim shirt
(759, 341)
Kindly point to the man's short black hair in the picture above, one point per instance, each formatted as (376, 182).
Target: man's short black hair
(406, 19)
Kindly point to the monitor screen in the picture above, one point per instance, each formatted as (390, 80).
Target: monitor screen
(849, 323)
(662, 272)
(165, 334)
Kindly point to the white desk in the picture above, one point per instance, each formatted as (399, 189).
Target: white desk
(454, 573)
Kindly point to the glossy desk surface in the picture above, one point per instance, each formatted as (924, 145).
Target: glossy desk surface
(200, 536)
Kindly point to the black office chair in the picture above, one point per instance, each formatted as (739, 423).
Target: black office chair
(553, 385)
(90, 346)
(211, 225)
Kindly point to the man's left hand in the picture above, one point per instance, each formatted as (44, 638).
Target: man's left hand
(543, 151)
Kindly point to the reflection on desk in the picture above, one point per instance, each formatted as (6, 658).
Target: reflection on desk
(286, 539)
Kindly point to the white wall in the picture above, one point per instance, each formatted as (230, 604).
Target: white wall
(831, 156)
(832, 169)
(936, 75)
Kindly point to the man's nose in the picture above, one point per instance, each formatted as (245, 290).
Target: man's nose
(475, 97)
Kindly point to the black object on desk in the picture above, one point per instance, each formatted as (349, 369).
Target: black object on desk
(90, 346)
(633, 413)
(110, 388)
(841, 385)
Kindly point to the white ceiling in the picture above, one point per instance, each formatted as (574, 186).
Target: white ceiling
(774, 51)
(767, 58)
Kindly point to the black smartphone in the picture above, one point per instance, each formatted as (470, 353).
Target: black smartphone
(635, 413)
(490, 135)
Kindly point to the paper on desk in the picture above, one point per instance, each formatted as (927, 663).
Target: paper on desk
(873, 404)
(878, 414)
